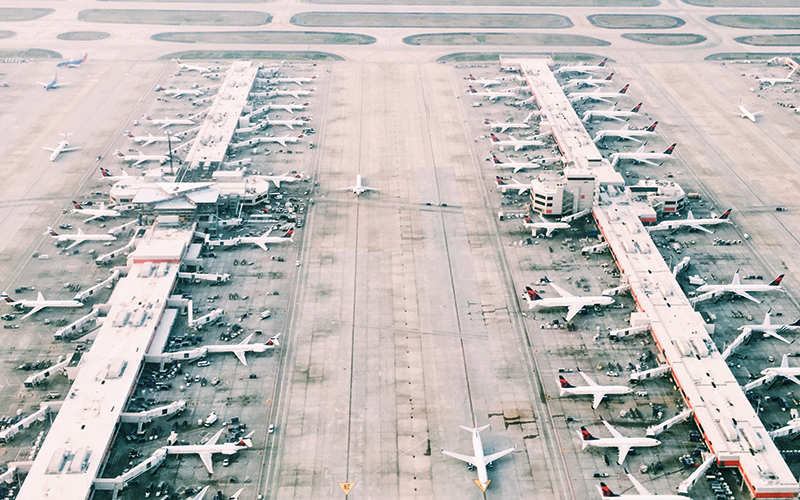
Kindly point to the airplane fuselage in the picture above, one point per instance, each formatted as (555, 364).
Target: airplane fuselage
(553, 302)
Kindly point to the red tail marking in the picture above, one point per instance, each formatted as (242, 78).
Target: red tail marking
(76, 205)
(53, 233)
(610, 76)
(564, 383)
(472, 89)
(85, 56)
(777, 281)
(527, 219)
(494, 138)
(486, 122)
(670, 149)
(587, 436)
(499, 181)
(129, 135)
(607, 491)
(603, 62)
(7, 298)
(496, 160)
(471, 77)
(532, 295)
(288, 233)
(104, 172)
(636, 108)
(726, 215)
(625, 88)
(652, 127)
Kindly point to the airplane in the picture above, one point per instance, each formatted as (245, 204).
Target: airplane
(741, 290)
(283, 140)
(622, 443)
(96, 213)
(38, 304)
(261, 241)
(573, 303)
(146, 140)
(588, 82)
(241, 349)
(277, 179)
(53, 84)
(490, 94)
(644, 494)
(200, 494)
(517, 166)
(503, 186)
(63, 147)
(773, 81)
(601, 66)
(140, 158)
(641, 156)
(517, 143)
(207, 450)
(484, 82)
(611, 113)
(748, 114)
(770, 330)
(626, 133)
(168, 122)
(106, 175)
(785, 371)
(181, 92)
(79, 238)
(294, 93)
(598, 95)
(190, 67)
(291, 108)
(359, 188)
(285, 123)
(75, 63)
(545, 224)
(479, 460)
(299, 80)
(692, 223)
(598, 392)
(503, 126)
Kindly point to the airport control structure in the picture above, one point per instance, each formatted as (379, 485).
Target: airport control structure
(730, 426)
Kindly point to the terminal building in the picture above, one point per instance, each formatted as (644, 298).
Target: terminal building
(730, 426)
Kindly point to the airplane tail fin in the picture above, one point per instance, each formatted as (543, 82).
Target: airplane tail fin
(51, 232)
(472, 90)
(85, 57)
(586, 436)
(777, 281)
(76, 205)
(796, 323)
(130, 136)
(531, 294)
(499, 181)
(288, 234)
(636, 108)
(119, 153)
(471, 77)
(494, 138)
(652, 127)
(603, 62)
(726, 214)
(104, 172)
(670, 149)
(564, 384)
(610, 76)
(625, 88)
(496, 160)
(8, 299)
(606, 491)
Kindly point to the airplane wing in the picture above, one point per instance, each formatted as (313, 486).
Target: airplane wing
(778, 336)
(289, 125)
(74, 244)
(793, 379)
(615, 433)
(463, 458)
(700, 228)
(235, 496)
(623, 452)
(262, 246)
(573, 311)
(71, 149)
(598, 398)
(282, 143)
(494, 456)
(138, 162)
(631, 138)
(370, 189)
(587, 379)
(561, 291)
(642, 160)
(748, 296)
(276, 181)
(206, 458)
(92, 218)
(33, 311)
(49, 149)
(639, 486)
(201, 494)
(242, 358)
(615, 118)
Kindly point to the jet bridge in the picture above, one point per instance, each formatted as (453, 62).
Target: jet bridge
(147, 416)
(38, 378)
(82, 296)
(736, 343)
(118, 483)
(792, 427)
(37, 416)
(74, 330)
(651, 373)
(690, 481)
(655, 430)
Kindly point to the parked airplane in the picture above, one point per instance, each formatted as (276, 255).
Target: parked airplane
(75, 63)
(479, 460)
(190, 67)
(181, 92)
(598, 392)
(484, 82)
(773, 81)
(283, 140)
(516, 166)
(641, 156)
(140, 158)
(626, 133)
(692, 223)
(287, 177)
(588, 82)
(503, 126)
(105, 174)
(585, 69)
(785, 371)
(240, 350)
(79, 238)
(598, 95)
(573, 303)
(291, 108)
(611, 113)
(359, 188)
(548, 226)
(490, 94)
(63, 147)
(644, 494)
(504, 186)
(285, 123)
(264, 239)
(53, 84)
(96, 213)
(299, 80)
(622, 443)
(517, 143)
(146, 140)
(750, 115)
(737, 288)
(294, 93)
(207, 450)
(770, 330)
(38, 304)
(168, 122)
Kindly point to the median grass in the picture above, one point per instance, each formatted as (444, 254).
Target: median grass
(769, 40)
(286, 55)
(759, 22)
(426, 20)
(635, 21)
(83, 36)
(266, 37)
(501, 3)
(503, 39)
(12, 14)
(175, 17)
(665, 38)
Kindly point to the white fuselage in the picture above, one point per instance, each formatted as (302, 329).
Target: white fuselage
(180, 92)
(677, 224)
(45, 303)
(739, 288)
(613, 442)
(595, 96)
(570, 301)
(62, 146)
(518, 144)
(747, 114)
(477, 447)
(591, 390)
(286, 123)
(503, 126)
(548, 226)
(638, 157)
(291, 108)
(607, 114)
(283, 141)
(141, 158)
(299, 81)
(293, 93)
(145, 140)
(167, 122)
